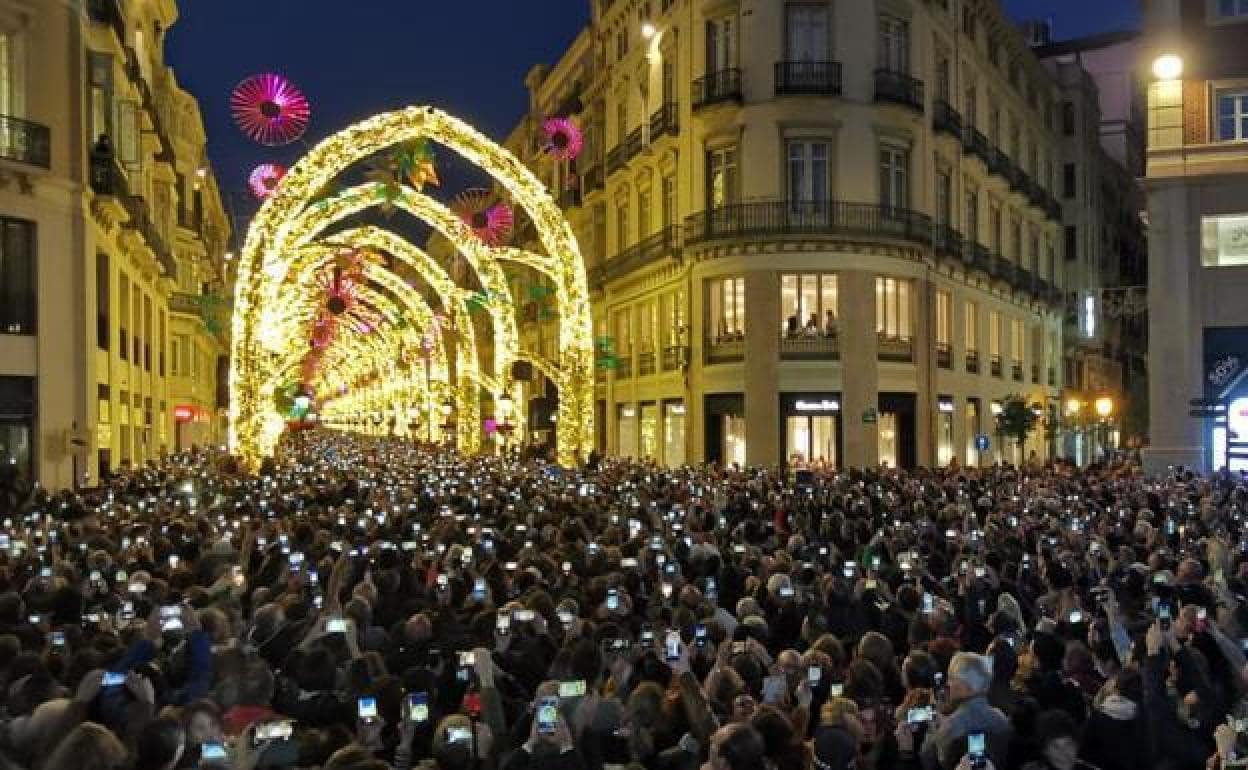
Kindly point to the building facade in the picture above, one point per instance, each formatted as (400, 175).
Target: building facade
(109, 209)
(1197, 186)
(1101, 164)
(816, 232)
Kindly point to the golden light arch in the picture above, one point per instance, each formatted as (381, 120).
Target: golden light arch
(280, 256)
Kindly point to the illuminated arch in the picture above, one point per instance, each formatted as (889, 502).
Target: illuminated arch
(292, 238)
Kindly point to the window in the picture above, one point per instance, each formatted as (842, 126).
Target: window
(721, 44)
(1224, 241)
(1229, 9)
(994, 225)
(17, 276)
(721, 166)
(972, 214)
(624, 333)
(621, 120)
(1232, 116)
(626, 423)
(647, 320)
(103, 302)
(808, 174)
(123, 313)
(1068, 118)
(972, 107)
(807, 32)
(1017, 343)
(649, 432)
(994, 334)
(1068, 180)
(944, 319)
(621, 42)
(808, 305)
(622, 233)
(894, 177)
(894, 44)
(1033, 243)
(669, 81)
(968, 21)
(101, 95)
(643, 213)
(971, 327)
(674, 434)
(811, 439)
(672, 317)
(944, 197)
(892, 308)
(1072, 242)
(727, 307)
(669, 201)
(1016, 240)
(942, 76)
(994, 124)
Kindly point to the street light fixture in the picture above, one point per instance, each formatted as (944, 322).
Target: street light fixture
(1104, 407)
(1073, 406)
(1168, 66)
(648, 30)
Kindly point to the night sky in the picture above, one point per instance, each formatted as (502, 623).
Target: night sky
(357, 58)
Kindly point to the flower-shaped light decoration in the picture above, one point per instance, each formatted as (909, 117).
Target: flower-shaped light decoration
(270, 109)
(491, 222)
(413, 161)
(265, 178)
(564, 139)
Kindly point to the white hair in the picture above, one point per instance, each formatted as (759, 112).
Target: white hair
(973, 671)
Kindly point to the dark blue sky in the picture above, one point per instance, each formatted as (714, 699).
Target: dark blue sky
(357, 58)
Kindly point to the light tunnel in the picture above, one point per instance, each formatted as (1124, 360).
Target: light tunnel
(371, 327)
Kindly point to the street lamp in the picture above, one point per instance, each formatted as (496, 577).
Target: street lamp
(1168, 66)
(648, 30)
(1104, 407)
(1073, 406)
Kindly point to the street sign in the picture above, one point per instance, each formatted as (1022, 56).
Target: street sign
(982, 442)
(870, 415)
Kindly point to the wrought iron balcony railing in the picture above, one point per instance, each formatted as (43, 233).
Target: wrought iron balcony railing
(25, 141)
(815, 218)
(945, 118)
(717, 87)
(816, 78)
(898, 88)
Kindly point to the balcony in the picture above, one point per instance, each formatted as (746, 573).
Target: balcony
(1002, 268)
(25, 142)
(899, 88)
(1052, 207)
(1036, 194)
(593, 179)
(108, 12)
(675, 357)
(1016, 177)
(814, 347)
(947, 242)
(826, 218)
(717, 88)
(975, 143)
(946, 119)
(897, 349)
(184, 303)
(976, 256)
(944, 355)
(999, 163)
(645, 363)
(1022, 279)
(624, 367)
(1017, 371)
(625, 151)
(665, 120)
(726, 349)
(995, 366)
(664, 243)
(972, 362)
(141, 222)
(808, 78)
(107, 178)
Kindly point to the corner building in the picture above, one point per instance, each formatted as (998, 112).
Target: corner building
(105, 247)
(814, 231)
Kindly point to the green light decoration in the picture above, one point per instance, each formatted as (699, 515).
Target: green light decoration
(608, 361)
(539, 292)
(604, 344)
(212, 311)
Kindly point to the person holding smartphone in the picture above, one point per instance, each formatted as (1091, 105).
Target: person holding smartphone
(550, 745)
(969, 679)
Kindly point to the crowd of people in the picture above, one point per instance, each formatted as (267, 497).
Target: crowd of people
(364, 604)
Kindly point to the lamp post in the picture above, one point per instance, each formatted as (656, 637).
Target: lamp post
(1104, 407)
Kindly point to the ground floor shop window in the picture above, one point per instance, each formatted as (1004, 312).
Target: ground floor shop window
(944, 432)
(889, 439)
(734, 439)
(674, 434)
(628, 431)
(649, 431)
(811, 439)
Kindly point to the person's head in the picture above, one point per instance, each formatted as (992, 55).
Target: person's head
(89, 746)
(203, 722)
(919, 671)
(160, 745)
(969, 675)
(354, 757)
(1057, 737)
(737, 746)
(455, 746)
(256, 684)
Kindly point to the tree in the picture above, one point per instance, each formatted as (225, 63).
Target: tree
(1017, 419)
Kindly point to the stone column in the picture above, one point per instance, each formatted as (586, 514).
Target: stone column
(860, 367)
(762, 367)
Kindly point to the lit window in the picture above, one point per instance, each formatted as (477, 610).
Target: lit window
(1224, 241)
(1089, 316)
(808, 305)
(727, 308)
(892, 308)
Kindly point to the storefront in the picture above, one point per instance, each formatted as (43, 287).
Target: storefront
(725, 428)
(973, 430)
(897, 430)
(628, 431)
(649, 431)
(944, 430)
(1226, 383)
(810, 429)
(673, 433)
(17, 427)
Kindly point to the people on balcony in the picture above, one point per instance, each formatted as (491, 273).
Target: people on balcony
(829, 325)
